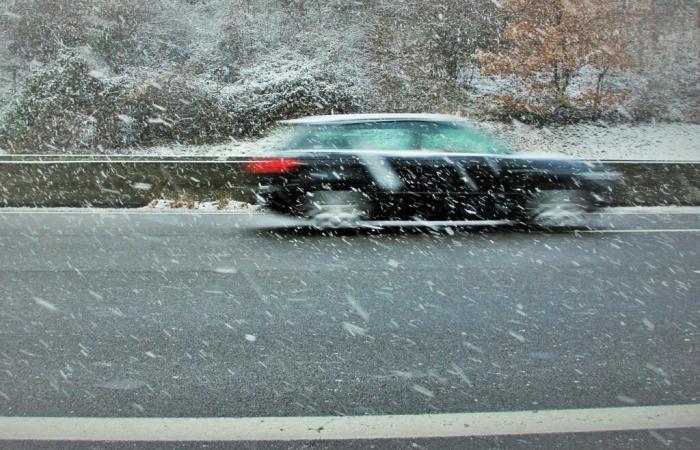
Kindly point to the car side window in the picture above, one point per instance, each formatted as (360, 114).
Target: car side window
(381, 138)
(459, 139)
(355, 137)
(321, 138)
(445, 139)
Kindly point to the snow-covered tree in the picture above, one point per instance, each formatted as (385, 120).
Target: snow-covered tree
(421, 50)
(548, 43)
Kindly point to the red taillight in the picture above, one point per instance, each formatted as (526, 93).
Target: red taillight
(272, 166)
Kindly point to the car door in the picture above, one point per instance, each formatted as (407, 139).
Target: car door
(450, 171)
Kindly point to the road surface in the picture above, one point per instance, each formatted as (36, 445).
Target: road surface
(113, 314)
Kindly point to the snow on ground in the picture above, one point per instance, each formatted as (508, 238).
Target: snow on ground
(231, 205)
(653, 141)
(233, 148)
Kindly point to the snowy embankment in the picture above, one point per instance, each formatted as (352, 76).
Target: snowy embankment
(648, 142)
(230, 205)
(653, 142)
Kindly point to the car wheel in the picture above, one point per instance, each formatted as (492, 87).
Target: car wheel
(336, 209)
(557, 209)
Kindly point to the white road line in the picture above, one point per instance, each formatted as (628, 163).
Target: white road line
(433, 223)
(350, 427)
(660, 230)
(297, 222)
(648, 210)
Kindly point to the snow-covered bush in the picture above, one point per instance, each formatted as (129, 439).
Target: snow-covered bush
(284, 89)
(72, 106)
(155, 109)
(59, 107)
(506, 109)
(44, 28)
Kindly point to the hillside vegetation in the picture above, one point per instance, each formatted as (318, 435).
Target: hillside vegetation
(87, 75)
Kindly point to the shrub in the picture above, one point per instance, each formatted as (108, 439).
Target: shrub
(273, 91)
(508, 107)
(164, 108)
(44, 28)
(70, 106)
(59, 107)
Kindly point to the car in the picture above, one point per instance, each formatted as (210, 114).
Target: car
(343, 170)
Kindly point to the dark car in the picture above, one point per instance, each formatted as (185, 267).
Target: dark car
(348, 169)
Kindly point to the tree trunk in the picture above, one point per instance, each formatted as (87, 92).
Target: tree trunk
(598, 93)
(567, 80)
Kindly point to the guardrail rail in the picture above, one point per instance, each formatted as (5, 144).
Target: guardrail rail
(134, 181)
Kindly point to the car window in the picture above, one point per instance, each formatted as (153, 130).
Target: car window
(459, 139)
(374, 136)
(399, 135)
(381, 138)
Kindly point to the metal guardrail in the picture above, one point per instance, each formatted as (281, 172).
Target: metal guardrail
(658, 183)
(124, 181)
(133, 181)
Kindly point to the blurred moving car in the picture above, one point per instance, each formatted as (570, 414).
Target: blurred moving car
(341, 170)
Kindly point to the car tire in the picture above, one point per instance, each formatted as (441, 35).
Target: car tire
(557, 209)
(335, 209)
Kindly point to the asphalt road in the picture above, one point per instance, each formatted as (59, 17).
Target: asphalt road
(206, 315)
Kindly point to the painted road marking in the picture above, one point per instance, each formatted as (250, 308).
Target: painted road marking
(648, 210)
(351, 427)
(660, 230)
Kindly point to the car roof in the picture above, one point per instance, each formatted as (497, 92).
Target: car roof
(363, 118)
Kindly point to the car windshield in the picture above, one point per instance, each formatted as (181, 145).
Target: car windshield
(390, 135)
